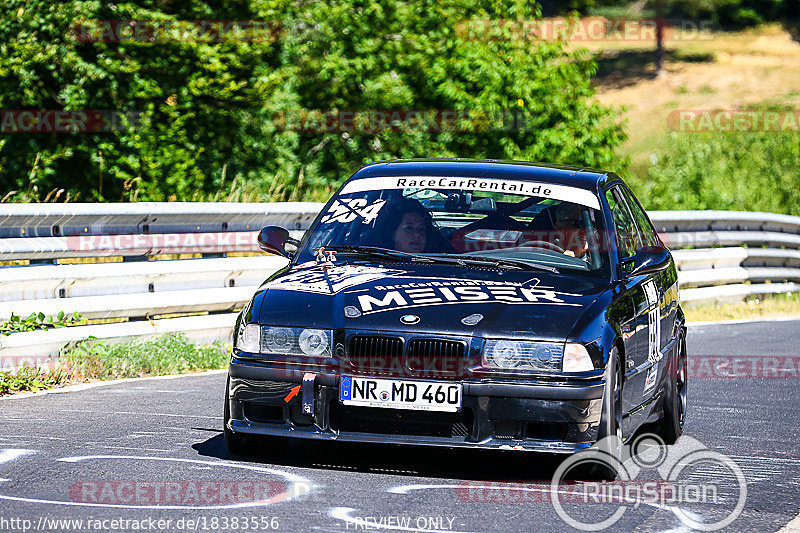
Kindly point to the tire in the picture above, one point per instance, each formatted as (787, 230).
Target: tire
(670, 428)
(237, 443)
(609, 434)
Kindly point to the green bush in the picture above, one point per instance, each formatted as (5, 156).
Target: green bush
(30, 378)
(168, 354)
(727, 171)
(207, 127)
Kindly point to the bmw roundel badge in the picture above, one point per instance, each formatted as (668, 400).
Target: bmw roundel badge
(409, 319)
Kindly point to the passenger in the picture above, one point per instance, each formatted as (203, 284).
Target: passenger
(571, 230)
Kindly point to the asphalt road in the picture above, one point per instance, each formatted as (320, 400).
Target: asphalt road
(149, 455)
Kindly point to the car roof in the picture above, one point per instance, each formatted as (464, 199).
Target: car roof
(581, 177)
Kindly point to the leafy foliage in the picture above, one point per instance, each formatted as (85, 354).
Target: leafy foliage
(207, 108)
(91, 360)
(30, 378)
(727, 171)
(39, 321)
(168, 354)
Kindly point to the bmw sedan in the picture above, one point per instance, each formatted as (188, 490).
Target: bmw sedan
(462, 303)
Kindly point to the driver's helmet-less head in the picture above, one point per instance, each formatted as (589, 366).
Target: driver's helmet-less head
(405, 225)
(570, 226)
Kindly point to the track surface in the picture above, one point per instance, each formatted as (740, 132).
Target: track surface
(150, 433)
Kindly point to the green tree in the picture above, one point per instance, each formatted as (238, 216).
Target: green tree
(211, 111)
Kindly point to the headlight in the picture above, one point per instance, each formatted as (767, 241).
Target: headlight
(285, 341)
(522, 355)
(314, 342)
(576, 359)
(249, 338)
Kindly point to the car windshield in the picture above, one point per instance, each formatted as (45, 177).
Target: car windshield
(514, 223)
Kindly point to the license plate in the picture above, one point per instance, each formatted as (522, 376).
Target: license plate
(400, 394)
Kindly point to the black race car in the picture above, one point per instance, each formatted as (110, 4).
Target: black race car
(460, 303)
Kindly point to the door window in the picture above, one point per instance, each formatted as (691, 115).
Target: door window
(647, 234)
(625, 230)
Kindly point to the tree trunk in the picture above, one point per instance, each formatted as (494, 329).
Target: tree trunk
(659, 38)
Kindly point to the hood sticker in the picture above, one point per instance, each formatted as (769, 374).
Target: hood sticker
(445, 292)
(341, 277)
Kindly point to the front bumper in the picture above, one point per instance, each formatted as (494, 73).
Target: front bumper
(506, 415)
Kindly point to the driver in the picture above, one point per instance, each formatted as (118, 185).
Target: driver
(571, 230)
(407, 227)
(410, 235)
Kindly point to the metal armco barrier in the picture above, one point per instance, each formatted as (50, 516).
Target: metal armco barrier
(726, 256)
(721, 256)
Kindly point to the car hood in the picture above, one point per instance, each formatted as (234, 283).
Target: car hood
(427, 298)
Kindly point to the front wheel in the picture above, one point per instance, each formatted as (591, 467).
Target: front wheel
(606, 455)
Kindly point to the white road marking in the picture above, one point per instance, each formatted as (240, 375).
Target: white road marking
(145, 389)
(298, 485)
(135, 413)
(134, 448)
(32, 437)
(792, 526)
(405, 489)
(343, 513)
(9, 454)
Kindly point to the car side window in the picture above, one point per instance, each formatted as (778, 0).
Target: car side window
(627, 235)
(646, 232)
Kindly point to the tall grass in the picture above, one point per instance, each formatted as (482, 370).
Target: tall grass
(95, 360)
(168, 354)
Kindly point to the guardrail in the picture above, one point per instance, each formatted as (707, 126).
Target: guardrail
(733, 255)
(721, 256)
(136, 289)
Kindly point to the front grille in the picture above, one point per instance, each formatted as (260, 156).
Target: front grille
(436, 355)
(400, 422)
(373, 351)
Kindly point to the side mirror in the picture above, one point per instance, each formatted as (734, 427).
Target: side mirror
(650, 260)
(273, 240)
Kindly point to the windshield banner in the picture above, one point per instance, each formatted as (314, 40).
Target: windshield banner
(523, 188)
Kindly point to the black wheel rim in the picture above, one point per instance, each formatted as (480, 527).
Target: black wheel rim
(680, 384)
